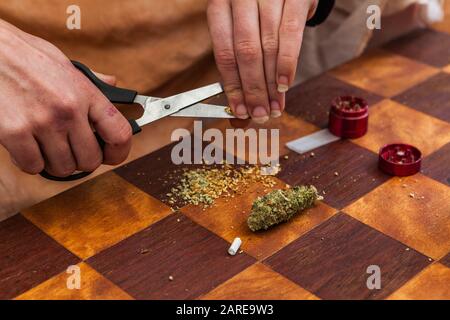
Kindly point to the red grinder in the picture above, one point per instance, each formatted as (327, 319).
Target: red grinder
(349, 117)
(400, 159)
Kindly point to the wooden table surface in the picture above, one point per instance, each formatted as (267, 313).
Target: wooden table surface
(127, 241)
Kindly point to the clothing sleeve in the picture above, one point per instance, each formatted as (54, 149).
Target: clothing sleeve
(323, 10)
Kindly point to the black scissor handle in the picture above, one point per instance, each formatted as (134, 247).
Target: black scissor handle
(113, 94)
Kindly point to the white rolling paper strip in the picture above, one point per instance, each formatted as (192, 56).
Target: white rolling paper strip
(312, 141)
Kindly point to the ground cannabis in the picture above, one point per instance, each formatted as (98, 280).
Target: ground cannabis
(202, 186)
(280, 206)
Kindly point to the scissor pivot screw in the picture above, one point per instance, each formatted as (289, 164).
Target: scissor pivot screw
(167, 106)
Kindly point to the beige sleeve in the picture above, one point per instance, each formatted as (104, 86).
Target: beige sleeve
(345, 35)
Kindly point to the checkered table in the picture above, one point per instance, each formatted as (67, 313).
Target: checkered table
(127, 241)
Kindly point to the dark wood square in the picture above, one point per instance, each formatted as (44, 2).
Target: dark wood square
(28, 257)
(437, 165)
(431, 96)
(152, 173)
(343, 170)
(156, 174)
(312, 100)
(332, 260)
(446, 260)
(144, 264)
(427, 46)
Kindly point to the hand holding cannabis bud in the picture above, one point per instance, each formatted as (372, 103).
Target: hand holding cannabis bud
(256, 46)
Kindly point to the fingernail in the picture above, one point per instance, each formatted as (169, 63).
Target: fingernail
(259, 115)
(275, 109)
(241, 112)
(283, 84)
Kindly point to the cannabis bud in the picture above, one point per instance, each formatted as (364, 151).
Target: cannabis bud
(281, 205)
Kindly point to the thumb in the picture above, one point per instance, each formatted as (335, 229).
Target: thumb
(109, 79)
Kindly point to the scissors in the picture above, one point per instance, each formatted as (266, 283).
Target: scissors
(186, 104)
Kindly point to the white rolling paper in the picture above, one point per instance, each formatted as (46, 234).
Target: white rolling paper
(312, 141)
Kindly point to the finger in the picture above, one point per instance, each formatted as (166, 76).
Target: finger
(113, 128)
(85, 148)
(55, 147)
(247, 46)
(270, 13)
(220, 23)
(312, 9)
(293, 22)
(109, 79)
(25, 153)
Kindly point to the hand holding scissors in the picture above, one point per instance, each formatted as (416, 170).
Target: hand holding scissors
(186, 104)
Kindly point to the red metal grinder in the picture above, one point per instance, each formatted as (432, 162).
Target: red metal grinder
(349, 117)
(400, 159)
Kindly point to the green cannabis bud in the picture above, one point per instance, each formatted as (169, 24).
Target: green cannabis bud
(280, 206)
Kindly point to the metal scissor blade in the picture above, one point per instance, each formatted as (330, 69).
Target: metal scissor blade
(155, 110)
(203, 110)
